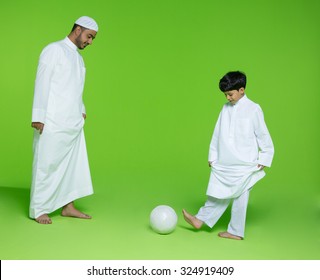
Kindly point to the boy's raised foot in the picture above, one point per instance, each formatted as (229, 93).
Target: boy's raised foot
(192, 220)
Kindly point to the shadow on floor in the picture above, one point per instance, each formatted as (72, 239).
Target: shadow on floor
(14, 200)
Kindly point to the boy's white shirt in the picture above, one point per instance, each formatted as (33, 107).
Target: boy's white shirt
(240, 142)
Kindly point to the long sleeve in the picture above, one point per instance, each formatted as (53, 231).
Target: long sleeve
(266, 148)
(45, 70)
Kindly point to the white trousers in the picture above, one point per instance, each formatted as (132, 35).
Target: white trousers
(213, 209)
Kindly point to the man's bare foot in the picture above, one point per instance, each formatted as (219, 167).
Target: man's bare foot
(44, 219)
(70, 211)
(192, 220)
(226, 234)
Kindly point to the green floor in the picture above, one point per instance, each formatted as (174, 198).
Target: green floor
(278, 226)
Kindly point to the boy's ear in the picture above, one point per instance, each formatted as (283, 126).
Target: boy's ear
(241, 90)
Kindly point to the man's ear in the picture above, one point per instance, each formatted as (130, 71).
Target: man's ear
(77, 31)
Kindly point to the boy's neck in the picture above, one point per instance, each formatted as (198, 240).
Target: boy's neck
(238, 100)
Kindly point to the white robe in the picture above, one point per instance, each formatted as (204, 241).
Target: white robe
(60, 165)
(239, 143)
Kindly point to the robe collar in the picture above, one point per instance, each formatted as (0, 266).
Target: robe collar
(69, 43)
(241, 100)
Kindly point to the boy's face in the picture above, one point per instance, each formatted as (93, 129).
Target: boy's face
(233, 96)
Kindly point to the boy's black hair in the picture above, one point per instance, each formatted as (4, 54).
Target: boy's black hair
(233, 81)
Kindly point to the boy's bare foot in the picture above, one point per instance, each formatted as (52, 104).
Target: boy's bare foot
(226, 234)
(192, 220)
(70, 211)
(44, 219)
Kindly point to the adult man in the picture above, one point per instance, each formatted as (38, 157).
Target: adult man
(60, 165)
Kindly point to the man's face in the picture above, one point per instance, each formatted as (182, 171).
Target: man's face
(233, 96)
(85, 38)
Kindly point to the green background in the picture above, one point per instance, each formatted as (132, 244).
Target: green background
(152, 102)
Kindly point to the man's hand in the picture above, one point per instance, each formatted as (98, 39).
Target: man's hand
(84, 115)
(260, 166)
(38, 126)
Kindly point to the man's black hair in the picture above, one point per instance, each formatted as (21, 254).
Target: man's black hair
(76, 25)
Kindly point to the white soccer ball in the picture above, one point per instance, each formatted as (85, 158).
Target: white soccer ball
(163, 219)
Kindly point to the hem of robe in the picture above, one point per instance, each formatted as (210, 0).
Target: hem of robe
(34, 214)
(247, 185)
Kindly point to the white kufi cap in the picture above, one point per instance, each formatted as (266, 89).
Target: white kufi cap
(87, 22)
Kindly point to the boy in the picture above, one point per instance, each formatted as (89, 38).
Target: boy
(240, 148)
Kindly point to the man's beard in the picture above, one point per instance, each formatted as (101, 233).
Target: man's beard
(79, 43)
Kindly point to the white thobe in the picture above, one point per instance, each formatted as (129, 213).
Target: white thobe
(240, 142)
(60, 165)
